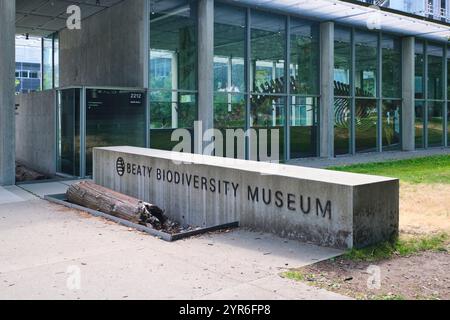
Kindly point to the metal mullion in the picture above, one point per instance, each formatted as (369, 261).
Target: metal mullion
(147, 73)
(287, 113)
(83, 132)
(352, 88)
(425, 106)
(42, 64)
(445, 96)
(247, 81)
(379, 94)
(53, 61)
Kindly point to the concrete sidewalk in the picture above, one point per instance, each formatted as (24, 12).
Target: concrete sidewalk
(44, 247)
(367, 158)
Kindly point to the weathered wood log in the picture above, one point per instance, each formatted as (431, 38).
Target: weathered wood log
(96, 197)
(26, 174)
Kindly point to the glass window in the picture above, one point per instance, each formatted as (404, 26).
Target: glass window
(366, 125)
(173, 45)
(268, 43)
(391, 124)
(47, 63)
(304, 68)
(342, 125)
(342, 61)
(229, 49)
(173, 70)
(420, 70)
(68, 159)
(229, 113)
(435, 72)
(229, 71)
(56, 59)
(113, 118)
(366, 64)
(391, 65)
(419, 124)
(268, 79)
(268, 113)
(304, 127)
(229, 110)
(170, 110)
(435, 125)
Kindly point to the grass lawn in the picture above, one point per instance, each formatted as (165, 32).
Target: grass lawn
(435, 169)
(414, 266)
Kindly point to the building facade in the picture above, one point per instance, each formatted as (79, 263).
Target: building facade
(433, 9)
(268, 68)
(332, 77)
(28, 64)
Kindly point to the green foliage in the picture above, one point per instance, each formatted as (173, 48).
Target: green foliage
(401, 247)
(389, 297)
(435, 169)
(294, 275)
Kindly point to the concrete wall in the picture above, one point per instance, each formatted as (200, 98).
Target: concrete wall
(108, 50)
(326, 132)
(408, 91)
(7, 67)
(36, 131)
(328, 208)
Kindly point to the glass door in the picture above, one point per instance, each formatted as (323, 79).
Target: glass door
(68, 132)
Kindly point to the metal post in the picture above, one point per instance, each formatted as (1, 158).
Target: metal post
(247, 82)
(287, 113)
(147, 70)
(445, 109)
(425, 111)
(379, 94)
(353, 102)
(83, 132)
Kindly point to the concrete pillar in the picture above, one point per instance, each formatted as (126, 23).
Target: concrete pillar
(7, 79)
(327, 90)
(408, 87)
(205, 65)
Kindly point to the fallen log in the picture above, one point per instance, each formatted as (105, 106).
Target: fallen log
(95, 197)
(26, 174)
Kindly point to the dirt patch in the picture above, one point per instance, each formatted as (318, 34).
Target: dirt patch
(424, 208)
(422, 276)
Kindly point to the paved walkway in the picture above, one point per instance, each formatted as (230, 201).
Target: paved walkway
(367, 158)
(45, 249)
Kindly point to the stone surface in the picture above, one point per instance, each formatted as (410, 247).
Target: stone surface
(408, 94)
(109, 49)
(326, 131)
(336, 209)
(7, 68)
(36, 131)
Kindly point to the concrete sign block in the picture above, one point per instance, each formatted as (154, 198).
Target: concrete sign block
(328, 208)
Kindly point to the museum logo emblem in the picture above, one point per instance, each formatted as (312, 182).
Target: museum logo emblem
(120, 166)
